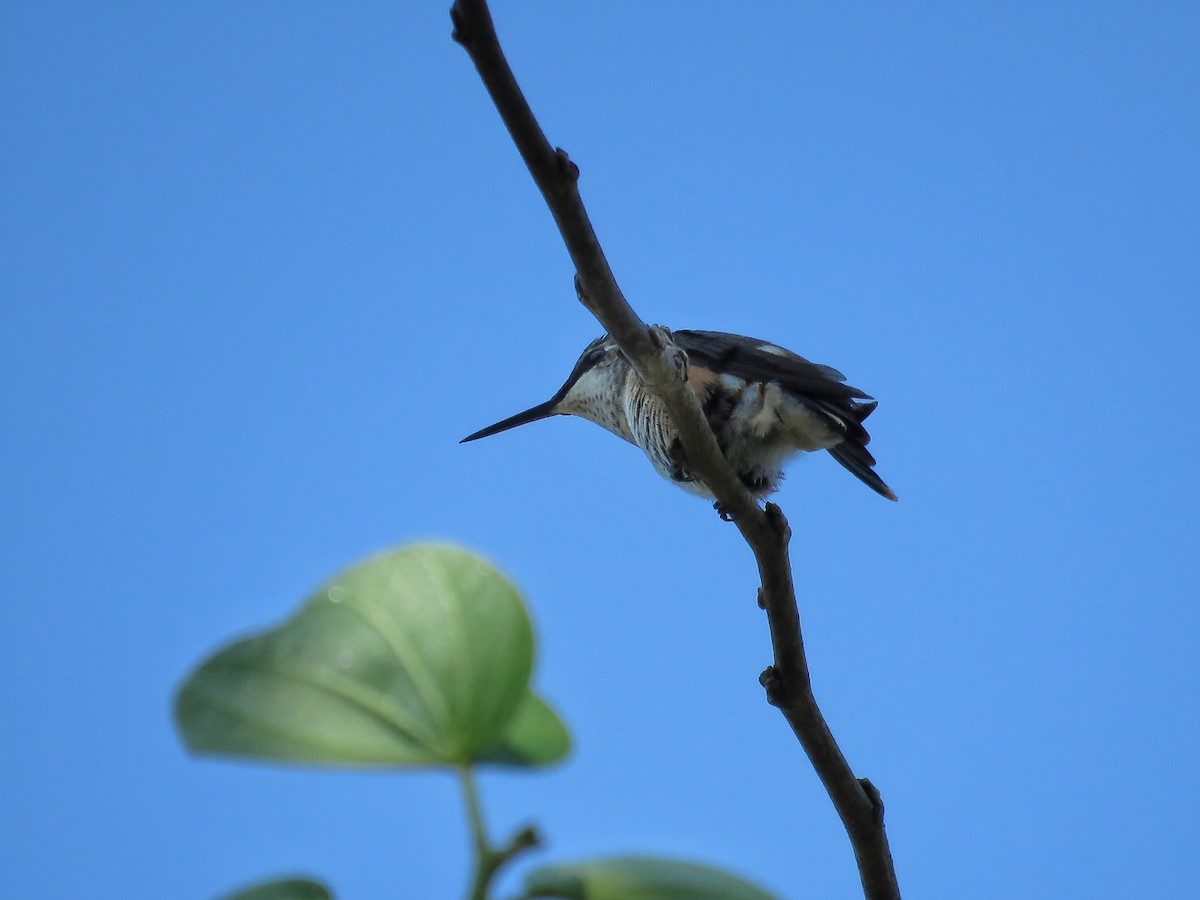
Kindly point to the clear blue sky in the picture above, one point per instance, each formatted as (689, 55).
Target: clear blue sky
(264, 265)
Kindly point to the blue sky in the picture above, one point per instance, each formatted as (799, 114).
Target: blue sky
(265, 264)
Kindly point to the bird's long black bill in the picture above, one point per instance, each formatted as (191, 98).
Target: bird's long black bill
(541, 411)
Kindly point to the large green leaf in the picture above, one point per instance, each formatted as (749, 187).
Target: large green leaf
(283, 889)
(417, 656)
(639, 878)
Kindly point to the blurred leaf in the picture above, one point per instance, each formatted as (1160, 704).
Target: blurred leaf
(535, 736)
(417, 656)
(283, 889)
(639, 878)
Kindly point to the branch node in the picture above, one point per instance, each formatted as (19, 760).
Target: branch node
(660, 337)
(525, 839)
(762, 598)
(565, 166)
(778, 522)
(770, 680)
(462, 31)
(584, 297)
(873, 796)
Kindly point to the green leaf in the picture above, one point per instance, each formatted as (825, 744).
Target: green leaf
(283, 889)
(639, 878)
(535, 736)
(417, 656)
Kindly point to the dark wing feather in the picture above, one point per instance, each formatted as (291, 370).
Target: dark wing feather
(819, 387)
(859, 461)
(746, 358)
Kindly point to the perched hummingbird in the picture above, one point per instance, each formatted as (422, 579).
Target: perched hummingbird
(764, 404)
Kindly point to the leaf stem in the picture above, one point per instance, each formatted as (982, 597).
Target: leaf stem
(488, 859)
(484, 869)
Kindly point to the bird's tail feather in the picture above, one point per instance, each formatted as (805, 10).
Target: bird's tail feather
(859, 461)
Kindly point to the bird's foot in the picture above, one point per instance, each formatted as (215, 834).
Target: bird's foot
(679, 470)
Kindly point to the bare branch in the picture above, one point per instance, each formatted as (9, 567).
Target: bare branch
(656, 359)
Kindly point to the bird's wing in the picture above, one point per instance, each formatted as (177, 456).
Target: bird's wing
(763, 361)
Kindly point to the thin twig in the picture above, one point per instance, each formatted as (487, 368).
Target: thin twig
(766, 531)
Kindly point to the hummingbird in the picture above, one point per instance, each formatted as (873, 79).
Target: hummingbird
(764, 404)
